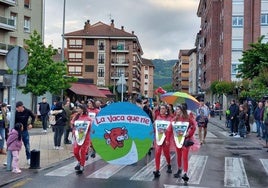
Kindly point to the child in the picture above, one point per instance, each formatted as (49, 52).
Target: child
(14, 143)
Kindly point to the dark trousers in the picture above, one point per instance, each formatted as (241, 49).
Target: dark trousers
(44, 120)
(58, 132)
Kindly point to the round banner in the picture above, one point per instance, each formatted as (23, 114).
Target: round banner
(122, 133)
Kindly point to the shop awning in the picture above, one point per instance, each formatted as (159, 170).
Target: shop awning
(106, 92)
(86, 90)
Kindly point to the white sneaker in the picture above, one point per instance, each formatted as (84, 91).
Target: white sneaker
(28, 161)
(237, 136)
(5, 163)
(44, 131)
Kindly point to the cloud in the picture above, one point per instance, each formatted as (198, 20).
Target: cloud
(162, 26)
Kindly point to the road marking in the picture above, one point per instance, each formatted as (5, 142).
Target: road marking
(235, 173)
(146, 173)
(107, 171)
(211, 135)
(197, 165)
(179, 186)
(68, 169)
(265, 164)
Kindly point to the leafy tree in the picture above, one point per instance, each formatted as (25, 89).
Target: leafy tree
(254, 60)
(224, 87)
(43, 74)
(213, 86)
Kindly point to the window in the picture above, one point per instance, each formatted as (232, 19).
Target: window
(237, 21)
(101, 72)
(27, 24)
(89, 55)
(13, 40)
(89, 68)
(26, 3)
(264, 19)
(90, 42)
(101, 45)
(13, 16)
(75, 56)
(75, 70)
(146, 76)
(75, 43)
(101, 58)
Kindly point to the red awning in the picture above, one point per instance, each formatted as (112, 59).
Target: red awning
(86, 90)
(106, 92)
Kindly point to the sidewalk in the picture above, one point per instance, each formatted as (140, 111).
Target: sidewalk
(48, 156)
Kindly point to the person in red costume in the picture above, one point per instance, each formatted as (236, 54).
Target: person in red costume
(165, 146)
(80, 146)
(92, 113)
(182, 153)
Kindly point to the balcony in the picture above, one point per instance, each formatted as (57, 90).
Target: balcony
(120, 49)
(124, 63)
(116, 75)
(4, 48)
(8, 2)
(137, 65)
(101, 61)
(7, 24)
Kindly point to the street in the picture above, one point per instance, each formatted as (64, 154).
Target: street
(222, 161)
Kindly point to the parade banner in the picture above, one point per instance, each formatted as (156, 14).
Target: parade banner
(122, 133)
(81, 128)
(160, 130)
(179, 131)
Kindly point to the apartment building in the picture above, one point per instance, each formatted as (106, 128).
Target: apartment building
(180, 77)
(147, 80)
(18, 18)
(227, 27)
(100, 53)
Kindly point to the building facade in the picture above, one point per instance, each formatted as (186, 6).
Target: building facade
(147, 79)
(19, 18)
(227, 27)
(180, 75)
(101, 53)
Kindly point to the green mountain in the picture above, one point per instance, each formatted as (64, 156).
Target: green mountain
(163, 71)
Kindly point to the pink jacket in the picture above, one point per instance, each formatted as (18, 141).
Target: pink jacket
(13, 143)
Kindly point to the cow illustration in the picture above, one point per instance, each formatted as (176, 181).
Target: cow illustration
(116, 136)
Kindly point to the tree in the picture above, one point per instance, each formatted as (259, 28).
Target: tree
(43, 74)
(254, 60)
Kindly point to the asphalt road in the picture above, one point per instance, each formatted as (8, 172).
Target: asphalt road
(222, 161)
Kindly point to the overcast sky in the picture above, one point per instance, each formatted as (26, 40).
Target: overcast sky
(163, 27)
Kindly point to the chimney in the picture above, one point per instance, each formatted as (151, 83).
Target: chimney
(132, 32)
(87, 25)
(112, 23)
(122, 28)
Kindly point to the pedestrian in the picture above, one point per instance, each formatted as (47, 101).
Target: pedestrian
(67, 129)
(81, 142)
(22, 116)
(3, 122)
(202, 117)
(6, 116)
(242, 118)
(234, 111)
(164, 118)
(181, 115)
(265, 122)
(14, 144)
(61, 119)
(259, 119)
(44, 109)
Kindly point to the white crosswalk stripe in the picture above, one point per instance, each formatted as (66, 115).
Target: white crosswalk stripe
(146, 173)
(69, 169)
(235, 173)
(265, 164)
(107, 171)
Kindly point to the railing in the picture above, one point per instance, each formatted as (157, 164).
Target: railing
(4, 48)
(118, 74)
(9, 2)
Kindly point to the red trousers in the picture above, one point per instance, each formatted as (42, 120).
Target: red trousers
(182, 157)
(158, 152)
(81, 151)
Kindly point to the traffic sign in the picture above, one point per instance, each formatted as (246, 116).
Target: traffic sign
(17, 58)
